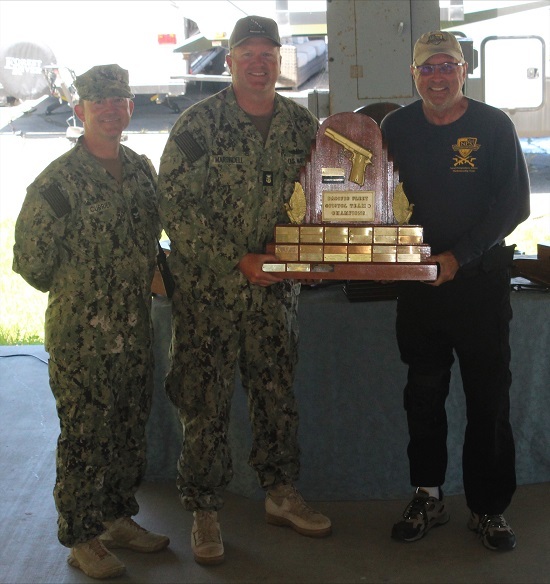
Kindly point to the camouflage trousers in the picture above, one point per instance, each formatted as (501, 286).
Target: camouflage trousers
(103, 404)
(207, 345)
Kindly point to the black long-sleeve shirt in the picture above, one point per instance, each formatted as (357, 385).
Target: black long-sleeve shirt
(468, 180)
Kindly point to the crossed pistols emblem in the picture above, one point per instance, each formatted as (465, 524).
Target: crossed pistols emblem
(359, 156)
(465, 147)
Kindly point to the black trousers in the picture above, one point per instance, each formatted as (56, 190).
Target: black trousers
(469, 318)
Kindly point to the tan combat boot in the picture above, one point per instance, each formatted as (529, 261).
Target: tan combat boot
(95, 560)
(126, 533)
(206, 538)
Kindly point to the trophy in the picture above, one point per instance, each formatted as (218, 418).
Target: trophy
(349, 215)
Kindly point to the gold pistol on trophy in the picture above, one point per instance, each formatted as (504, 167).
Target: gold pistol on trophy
(360, 156)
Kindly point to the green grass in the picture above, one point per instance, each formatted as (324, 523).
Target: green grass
(22, 307)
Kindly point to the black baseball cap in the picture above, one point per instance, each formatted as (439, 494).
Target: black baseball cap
(254, 27)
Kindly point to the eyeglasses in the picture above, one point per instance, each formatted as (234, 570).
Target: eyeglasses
(444, 68)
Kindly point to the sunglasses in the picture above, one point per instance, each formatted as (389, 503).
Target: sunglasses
(444, 68)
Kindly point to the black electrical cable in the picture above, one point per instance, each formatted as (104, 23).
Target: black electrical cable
(24, 355)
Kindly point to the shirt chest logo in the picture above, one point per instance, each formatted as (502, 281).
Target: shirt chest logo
(464, 161)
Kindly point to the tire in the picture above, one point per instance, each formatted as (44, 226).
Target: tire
(21, 66)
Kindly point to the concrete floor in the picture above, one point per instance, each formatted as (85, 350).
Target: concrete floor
(360, 549)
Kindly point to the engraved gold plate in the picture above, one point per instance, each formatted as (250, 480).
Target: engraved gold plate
(311, 234)
(384, 257)
(385, 235)
(410, 234)
(336, 257)
(360, 257)
(389, 239)
(287, 234)
(298, 267)
(328, 171)
(360, 234)
(311, 253)
(409, 249)
(384, 230)
(384, 253)
(409, 258)
(335, 253)
(336, 234)
(360, 249)
(287, 253)
(423, 251)
(406, 239)
(346, 206)
(384, 249)
(411, 230)
(360, 253)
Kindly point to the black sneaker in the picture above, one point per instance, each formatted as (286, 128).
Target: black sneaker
(421, 514)
(493, 530)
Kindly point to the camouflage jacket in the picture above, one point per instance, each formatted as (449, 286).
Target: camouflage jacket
(222, 190)
(91, 243)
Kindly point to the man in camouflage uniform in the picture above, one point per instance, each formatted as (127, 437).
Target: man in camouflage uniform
(87, 233)
(229, 166)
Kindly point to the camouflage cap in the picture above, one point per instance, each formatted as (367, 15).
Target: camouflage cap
(254, 27)
(103, 81)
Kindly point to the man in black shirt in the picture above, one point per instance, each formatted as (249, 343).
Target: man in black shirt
(462, 167)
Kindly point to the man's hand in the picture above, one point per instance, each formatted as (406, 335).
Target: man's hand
(448, 266)
(251, 268)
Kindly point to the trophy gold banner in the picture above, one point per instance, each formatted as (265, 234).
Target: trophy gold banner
(349, 215)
